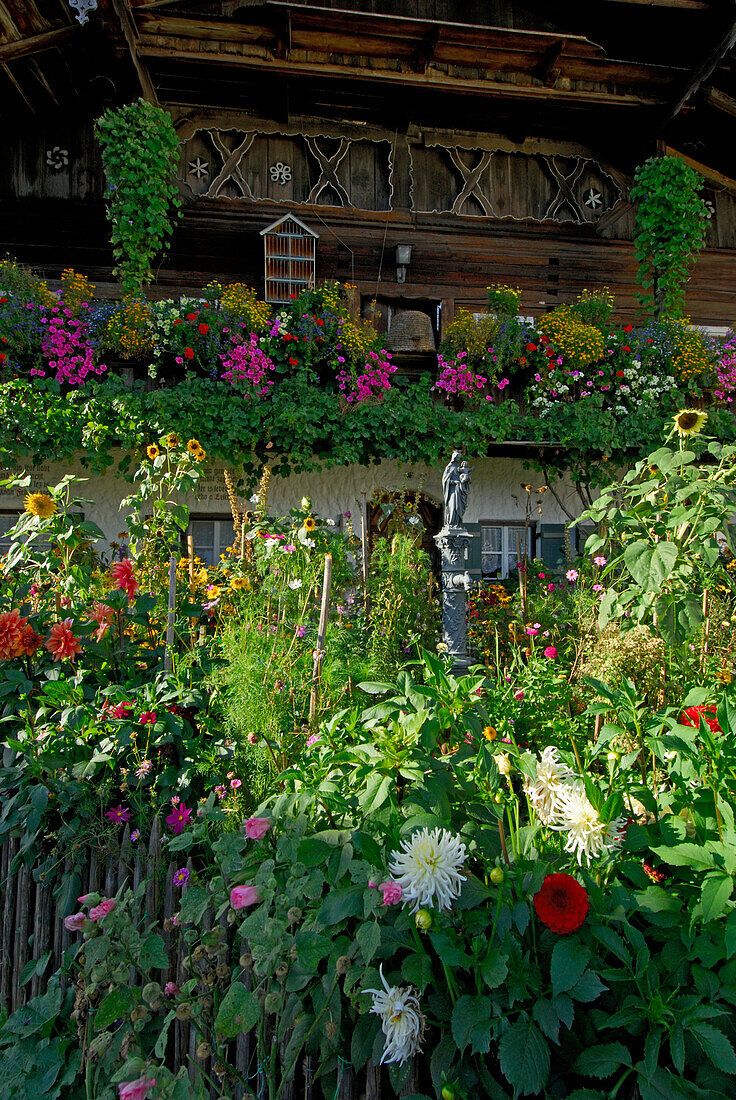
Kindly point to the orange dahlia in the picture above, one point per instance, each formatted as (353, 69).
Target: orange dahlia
(61, 641)
(11, 633)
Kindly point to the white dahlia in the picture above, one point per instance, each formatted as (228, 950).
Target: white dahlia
(586, 833)
(553, 777)
(401, 1020)
(428, 869)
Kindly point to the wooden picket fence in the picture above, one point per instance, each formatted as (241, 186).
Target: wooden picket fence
(31, 928)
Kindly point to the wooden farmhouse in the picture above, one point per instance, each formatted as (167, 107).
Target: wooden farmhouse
(418, 150)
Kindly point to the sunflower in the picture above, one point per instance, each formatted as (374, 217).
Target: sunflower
(193, 445)
(688, 421)
(152, 451)
(172, 440)
(309, 523)
(39, 504)
(489, 733)
(200, 454)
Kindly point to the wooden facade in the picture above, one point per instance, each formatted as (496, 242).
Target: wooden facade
(497, 139)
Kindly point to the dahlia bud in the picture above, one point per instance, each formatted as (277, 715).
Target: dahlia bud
(423, 920)
(497, 876)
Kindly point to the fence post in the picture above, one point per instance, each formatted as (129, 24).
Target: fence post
(321, 635)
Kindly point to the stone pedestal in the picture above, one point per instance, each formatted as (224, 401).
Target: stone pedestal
(453, 543)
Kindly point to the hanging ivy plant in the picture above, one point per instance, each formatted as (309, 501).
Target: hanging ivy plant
(671, 225)
(140, 153)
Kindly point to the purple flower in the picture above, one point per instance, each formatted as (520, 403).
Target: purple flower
(118, 814)
(181, 876)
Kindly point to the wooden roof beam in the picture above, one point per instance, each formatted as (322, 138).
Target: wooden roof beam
(19, 90)
(726, 183)
(25, 47)
(424, 54)
(130, 32)
(714, 97)
(699, 75)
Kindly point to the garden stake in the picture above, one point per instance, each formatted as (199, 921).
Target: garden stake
(190, 554)
(169, 655)
(321, 635)
(364, 546)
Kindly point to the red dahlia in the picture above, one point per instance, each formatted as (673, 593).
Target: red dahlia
(562, 903)
(691, 717)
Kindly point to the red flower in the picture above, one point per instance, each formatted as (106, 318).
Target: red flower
(523, 360)
(656, 874)
(191, 316)
(293, 362)
(11, 634)
(30, 641)
(3, 357)
(178, 321)
(628, 328)
(124, 577)
(626, 348)
(204, 329)
(188, 353)
(148, 717)
(531, 347)
(620, 374)
(562, 903)
(691, 717)
(61, 641)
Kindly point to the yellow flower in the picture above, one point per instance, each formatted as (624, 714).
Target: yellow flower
(489, 733)
(172, 440)
(152, 451)
(193, 445)
(688, 421)
(724, 676)
(39, 504)
(200, 455)
(309, 524)
(239, 583)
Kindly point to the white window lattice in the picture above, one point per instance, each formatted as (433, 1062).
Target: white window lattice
(501, 547)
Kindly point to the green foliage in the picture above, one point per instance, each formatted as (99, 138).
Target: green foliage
(671, 226)
(140, 152)
(404, 609)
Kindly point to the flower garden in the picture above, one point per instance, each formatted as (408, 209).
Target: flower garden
(257, 839)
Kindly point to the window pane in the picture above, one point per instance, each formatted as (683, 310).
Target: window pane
(6, 523)
(203, 536)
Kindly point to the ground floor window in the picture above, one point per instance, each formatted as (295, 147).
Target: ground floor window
(211, 535)
(8, 520)
(501, 547)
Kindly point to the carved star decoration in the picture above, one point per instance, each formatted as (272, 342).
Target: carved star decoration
(199, 168)
(593, 198)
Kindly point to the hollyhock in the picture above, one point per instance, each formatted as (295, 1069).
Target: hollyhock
(99, 911)
(257, 827)
(75, 922)
(124, 577)
(61, 641)
(179, 817)
(136, 1090)
(242, 896)
(561, 903)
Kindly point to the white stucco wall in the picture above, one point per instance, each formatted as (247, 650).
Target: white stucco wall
(496, 492)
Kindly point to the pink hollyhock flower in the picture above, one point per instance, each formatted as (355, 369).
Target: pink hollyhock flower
(241, 896)
(124, 577)
(118, 814)
(551, 653)
(179, 817)
(257, 827)
(76, 922)
(392, 892)
(136, 1090)
(171, 989)
(106, 906)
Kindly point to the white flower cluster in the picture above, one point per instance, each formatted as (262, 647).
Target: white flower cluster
(622, 390)
(559, 799)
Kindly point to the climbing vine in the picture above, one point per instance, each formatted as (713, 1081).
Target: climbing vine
(671, 225)
(140, 152)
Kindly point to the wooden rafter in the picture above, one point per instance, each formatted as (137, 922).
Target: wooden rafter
(726, 183)
(722, 102)
(130, 33)
(700, 74)
(25, 47)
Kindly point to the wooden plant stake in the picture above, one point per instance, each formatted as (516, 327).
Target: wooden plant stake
(364, 546)
(706, 629)
(190, 554)
(169, 652)
(321, 636)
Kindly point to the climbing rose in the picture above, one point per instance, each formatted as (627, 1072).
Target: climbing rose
(561, 903)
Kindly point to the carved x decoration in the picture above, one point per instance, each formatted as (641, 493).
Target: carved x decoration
(565, 183)
(471, 183)
(231, 161)
(328, 170)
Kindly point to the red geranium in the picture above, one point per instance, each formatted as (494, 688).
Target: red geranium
(531, 347)
(620, 374)
(204, 329)
(691, 717)
(562, 903)
(188, 353)
(191, 316)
